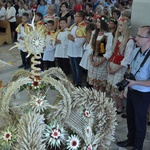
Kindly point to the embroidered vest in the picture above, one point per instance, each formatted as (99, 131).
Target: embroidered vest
(100, 47)
(116, 58)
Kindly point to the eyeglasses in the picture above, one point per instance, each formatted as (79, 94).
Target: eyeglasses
(140, 36)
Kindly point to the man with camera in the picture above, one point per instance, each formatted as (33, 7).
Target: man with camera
(138, 96)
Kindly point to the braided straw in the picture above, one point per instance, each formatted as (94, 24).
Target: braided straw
(35, 71)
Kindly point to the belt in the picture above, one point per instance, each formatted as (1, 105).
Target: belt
(134, 90)
(137, 90)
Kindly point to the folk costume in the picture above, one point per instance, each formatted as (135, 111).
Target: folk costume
(115, 60)
(75, 50)
(97, 76)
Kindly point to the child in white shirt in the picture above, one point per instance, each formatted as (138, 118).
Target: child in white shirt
(22, 29)
(87, 47)
(62, 46)
(49, 51)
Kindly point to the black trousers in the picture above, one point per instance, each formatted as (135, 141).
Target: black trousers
(137, 108)
(64, 64)
(49, 64)
(25, 61)
(76, 70)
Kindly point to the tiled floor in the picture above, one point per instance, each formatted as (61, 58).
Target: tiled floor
(9, 62)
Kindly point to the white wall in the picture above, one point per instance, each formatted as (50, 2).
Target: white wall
(140, 14)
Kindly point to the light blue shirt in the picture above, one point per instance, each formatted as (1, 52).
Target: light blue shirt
(43, 9)
(143, 73)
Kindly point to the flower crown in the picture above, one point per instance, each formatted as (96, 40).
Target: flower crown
(127, 21)
(102, 18)
(113, 20)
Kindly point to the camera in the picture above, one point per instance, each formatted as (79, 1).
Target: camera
(121, 85)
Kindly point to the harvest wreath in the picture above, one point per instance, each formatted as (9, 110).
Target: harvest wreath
(77, 119)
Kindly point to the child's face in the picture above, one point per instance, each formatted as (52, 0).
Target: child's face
(105, 10)
(115, 16)
(49, 26)
(25, 19)
(63, 24)
(37, 18)
(111, 25)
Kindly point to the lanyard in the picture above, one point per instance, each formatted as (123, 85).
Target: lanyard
(143, 62)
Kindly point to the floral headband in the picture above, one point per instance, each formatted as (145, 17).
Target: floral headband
(102, 18)
(125, 20)
(113, 20)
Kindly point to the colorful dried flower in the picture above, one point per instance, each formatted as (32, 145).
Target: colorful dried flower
(54, 134)
(36, 82)
(39, 103)
(7, 137)
(87, 113)
(73, 142)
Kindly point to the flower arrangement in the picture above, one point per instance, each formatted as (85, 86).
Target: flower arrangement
(38, 103)
(7, 137)
(73, 142)
(82, 118)
(54, 134)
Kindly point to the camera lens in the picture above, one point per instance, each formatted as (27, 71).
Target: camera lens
(121, 85)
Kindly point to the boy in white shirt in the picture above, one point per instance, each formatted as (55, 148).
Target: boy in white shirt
(62, 46)
(22, 29)
(49, 51)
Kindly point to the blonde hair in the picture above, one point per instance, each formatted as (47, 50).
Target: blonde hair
(99, 8)
(126, 13)
(125, 34)
(51, 6)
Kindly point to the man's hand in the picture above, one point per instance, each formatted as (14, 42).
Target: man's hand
(131, 82)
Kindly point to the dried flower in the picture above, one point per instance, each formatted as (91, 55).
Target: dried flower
(73, 142)
(54, 134)
(39, 103)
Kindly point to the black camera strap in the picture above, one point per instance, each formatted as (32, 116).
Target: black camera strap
(144, 60)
